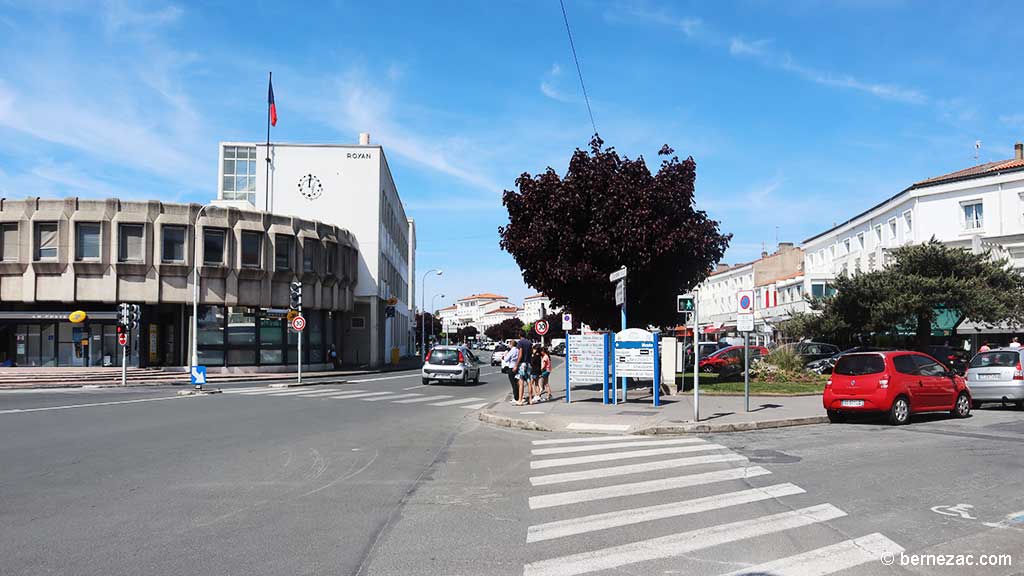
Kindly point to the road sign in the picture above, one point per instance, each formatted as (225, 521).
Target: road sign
(744, 301)
(620, 293)
(634, 354)
(291, 315)
(298, 323)
(198, 375)
(122, 338)
(586, 359)
(745, 323)
(541, 327)
(684, 303)
(566, 321)
(617, 275)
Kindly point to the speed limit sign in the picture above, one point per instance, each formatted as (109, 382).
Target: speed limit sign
(541, 327)
(298, 323)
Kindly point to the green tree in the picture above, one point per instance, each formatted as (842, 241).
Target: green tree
(510, 328)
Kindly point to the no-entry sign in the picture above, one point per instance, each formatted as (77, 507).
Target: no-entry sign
(122, 339)
(298, 323)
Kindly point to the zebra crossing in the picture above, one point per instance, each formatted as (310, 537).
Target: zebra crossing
(396, 397)
(610, 500)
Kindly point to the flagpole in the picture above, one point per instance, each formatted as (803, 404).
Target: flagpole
(266, 183)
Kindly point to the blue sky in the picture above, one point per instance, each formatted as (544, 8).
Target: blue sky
(799, 114)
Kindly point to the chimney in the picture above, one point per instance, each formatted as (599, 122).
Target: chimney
(364, 138)
(785, 246)
(1018, 151)
(764, 253)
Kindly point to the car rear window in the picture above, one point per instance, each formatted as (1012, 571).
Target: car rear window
(860, 364)
(995, 360)
(444, 357)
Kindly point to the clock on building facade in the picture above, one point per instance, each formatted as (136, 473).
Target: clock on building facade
(310, 187)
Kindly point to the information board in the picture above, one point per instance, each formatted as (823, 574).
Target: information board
(586, 358)
(634, 354)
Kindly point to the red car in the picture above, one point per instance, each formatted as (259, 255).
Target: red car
(729, 361)
(899, 383)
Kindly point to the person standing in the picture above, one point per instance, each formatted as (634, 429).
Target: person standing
(509, 363)
(545, 374)
(1015, 343)
(536, 363)
(984, 347)
(525, 348)
(333, 355)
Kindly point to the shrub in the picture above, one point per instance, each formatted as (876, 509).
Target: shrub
(767, 372)
(786, 358)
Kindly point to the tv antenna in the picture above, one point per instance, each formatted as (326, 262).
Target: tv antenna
(977, 148)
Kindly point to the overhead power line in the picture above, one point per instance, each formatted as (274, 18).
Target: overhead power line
(579, 71)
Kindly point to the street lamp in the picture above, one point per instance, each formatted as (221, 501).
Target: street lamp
(435, 312)
(195, 288)
(423, 297)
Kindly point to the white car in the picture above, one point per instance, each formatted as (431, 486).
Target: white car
(450, 364)
(499, 352)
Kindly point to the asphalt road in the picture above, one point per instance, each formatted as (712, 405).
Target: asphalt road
(365, 478)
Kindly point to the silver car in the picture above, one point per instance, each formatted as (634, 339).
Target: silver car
(451, 364)
(996, 376)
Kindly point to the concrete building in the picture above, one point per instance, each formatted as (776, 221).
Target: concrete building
(64, 255)
(536, 307)
(349, 186)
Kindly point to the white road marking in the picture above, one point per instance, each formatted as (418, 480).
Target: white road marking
(240, 390)
(596, 447)
(324, 393)
(644, 487)
(413, 387)
(827, 559)
(573, 460)
(635, 468)
(424, 399)
(261, 392)
(410, 375)
(603, 427)
(474, 406)
(298, 393)
(455, 402)
(588, 439)
(594, 522)
(66, 406)
(680, 544)
(391, 397)
(350, 396)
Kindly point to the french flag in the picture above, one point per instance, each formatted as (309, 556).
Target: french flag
(270, 102)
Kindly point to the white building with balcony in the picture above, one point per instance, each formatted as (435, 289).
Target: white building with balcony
(536, 307)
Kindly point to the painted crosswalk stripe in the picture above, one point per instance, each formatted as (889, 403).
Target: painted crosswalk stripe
(644, 487)
(323, 393)
(349, 396)
(457, 401)
(240, 390)
(424, 399)
(474, 406)
(588, 439)
(681, 544)
(594, 522)
(598, 427)
(827, 559)
(298, 393)
(261, 392)
(636, 468)
(391, 397)
(590, 458)
(613, 445)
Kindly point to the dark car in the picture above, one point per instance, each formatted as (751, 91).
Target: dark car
(559, 349)
(952, 358)
(812, 351)
(728, 362)
(825, 365)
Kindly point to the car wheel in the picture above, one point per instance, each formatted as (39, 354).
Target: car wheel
(476, 379)
(426, 382)
(975, 405)
(836, 417)
(899, 413)
(465, 378)
(962, 408)
(1020, 404)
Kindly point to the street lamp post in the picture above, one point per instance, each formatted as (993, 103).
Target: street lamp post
(435, 310)
(194, 361)
(423, 319)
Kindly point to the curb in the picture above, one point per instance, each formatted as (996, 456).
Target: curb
(492, 418)
(700, 428)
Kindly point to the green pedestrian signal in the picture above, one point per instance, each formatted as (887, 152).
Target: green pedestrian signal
(684, 304)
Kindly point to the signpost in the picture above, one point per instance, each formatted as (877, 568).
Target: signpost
(566, 322)
(745, 324)
(198, 374)
(619, 277)
(586, 361)
(541, 328)
(636, 356)
(299, 324)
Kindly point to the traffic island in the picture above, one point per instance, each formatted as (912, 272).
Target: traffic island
(203, 392)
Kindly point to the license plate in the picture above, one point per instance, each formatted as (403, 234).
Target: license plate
(988, 376)
(852, 403)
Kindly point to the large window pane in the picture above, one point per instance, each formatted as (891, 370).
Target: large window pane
(283, 252)
(241, 357)
(229, 167)
(174, 244)
(130, 243)
(211, 326)
(308, 254)
(9, 238)
(241, 326)
(87, 241)
(332, 258)
(46, 240)
(251, 242)
(213, 247)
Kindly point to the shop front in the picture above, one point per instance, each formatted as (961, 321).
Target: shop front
(48, 338)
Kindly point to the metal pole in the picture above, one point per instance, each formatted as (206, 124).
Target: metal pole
(567, 400)
(124, 365)
(746, 369)
(623, 312)
(194, 360)
(300, 349)
(696, 358)
(657, 370)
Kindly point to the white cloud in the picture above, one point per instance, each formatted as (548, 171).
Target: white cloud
(549, 88)
(1011, 120)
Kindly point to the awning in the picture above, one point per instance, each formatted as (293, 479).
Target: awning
(944, 323)
(968, 327)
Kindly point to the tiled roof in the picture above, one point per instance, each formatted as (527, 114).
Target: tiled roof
(504, 310)
(452, 307)
(535, 296)
(484, 296)
(796, 274)
(981, 170)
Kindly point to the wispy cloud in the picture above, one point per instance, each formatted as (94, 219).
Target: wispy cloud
(548, 85)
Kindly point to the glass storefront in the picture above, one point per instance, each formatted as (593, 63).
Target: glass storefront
(65, 344)
(246, 336)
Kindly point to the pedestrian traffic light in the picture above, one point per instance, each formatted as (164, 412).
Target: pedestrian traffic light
(123, 315)
(295, 296)
(684, 303)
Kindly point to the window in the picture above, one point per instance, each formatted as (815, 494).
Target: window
(283, 252)
(46, 241)
(905, 364)
(846, 246)
(832, 251)
(308, 254)
(239, 178)
(871, 261)
(892, 229)
(878, 234)
(928, 367)
(860, 241)
(9, 237)
(859, 364)
(358, 322)
(129, 243)
(908, 224)
(173, 244)
(332, 258)
(87, 241)
(251, 244)
(973, 216)
(213, 246)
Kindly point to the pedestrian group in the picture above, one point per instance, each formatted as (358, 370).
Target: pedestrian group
(528, 367)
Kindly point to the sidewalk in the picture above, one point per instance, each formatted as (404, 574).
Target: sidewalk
(638, 415)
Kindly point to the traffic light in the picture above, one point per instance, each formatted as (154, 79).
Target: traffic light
(123, 316)
(684, 303)
(295, 296)
(134, 316)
